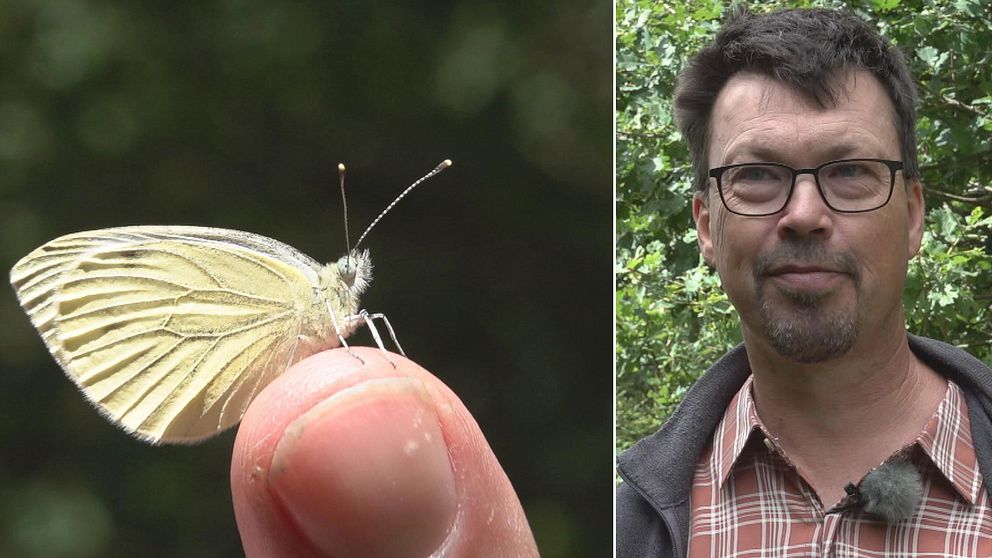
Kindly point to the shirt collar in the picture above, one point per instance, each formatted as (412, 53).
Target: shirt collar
(946, 439)
(734, 430)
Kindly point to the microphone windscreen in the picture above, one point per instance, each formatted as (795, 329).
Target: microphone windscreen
(892, 491)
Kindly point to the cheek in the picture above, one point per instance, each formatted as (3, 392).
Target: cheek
(881, 247)
(718, 236)
(736, 244)
(883, 265)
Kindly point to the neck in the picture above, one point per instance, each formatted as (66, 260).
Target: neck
(840, 418)
(879, 380)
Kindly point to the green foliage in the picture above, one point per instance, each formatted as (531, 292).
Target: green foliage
(948, 287)
(669, 326)
(672, 318)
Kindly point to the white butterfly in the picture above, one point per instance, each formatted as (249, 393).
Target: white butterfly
(171, 331)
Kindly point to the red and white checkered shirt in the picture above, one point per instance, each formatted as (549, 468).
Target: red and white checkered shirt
(749, 501)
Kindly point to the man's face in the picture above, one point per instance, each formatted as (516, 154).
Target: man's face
(807, 280)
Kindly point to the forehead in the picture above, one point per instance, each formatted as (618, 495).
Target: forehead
(757, 117)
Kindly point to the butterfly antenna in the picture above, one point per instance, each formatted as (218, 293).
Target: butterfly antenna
(444, 164)
(344, 204)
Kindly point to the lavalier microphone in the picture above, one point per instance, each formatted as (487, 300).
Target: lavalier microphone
(891, 491)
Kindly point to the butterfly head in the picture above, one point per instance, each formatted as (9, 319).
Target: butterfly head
(354, 269)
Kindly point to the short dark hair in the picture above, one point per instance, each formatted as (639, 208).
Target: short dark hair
(803, 48)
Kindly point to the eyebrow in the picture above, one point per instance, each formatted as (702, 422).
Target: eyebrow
(765, 154)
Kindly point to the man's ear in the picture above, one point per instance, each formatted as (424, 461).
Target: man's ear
(916, 207)
(701, 215)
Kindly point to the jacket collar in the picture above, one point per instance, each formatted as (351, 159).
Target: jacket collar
(660, 466)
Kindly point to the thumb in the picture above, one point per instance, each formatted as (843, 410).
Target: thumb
(340, 458)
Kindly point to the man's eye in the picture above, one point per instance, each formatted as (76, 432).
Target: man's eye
(756, 174)
(847, 170)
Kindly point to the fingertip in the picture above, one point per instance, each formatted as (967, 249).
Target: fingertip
(266, 528)
(323, 461)
(366, 472)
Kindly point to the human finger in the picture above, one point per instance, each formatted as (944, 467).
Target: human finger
(340, 457)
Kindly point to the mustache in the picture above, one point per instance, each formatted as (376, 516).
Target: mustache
(806, 252)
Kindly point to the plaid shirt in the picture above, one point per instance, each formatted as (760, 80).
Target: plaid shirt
(747, 500)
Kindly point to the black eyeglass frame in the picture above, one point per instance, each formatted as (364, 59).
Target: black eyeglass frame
(893, 166)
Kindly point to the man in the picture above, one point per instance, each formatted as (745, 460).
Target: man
(830, 431)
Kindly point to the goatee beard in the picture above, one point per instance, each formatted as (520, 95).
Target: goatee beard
(801, 329)
(806, 335)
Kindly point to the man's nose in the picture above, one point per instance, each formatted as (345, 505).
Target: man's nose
(807, 213)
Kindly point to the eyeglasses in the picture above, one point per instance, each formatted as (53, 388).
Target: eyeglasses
(846, 186)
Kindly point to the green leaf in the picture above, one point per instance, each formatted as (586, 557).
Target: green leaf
(885, 5)
(947, 296)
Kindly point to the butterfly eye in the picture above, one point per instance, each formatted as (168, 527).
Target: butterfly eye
(346, 267)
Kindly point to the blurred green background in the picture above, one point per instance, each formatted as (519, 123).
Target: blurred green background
(235, 114)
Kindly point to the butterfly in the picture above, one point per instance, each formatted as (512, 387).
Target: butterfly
(171, 331)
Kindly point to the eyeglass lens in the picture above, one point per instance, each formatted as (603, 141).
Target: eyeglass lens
(762, 188)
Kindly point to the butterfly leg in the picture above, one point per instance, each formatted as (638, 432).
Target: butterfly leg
(364, 316)
(392, 334)
(337, 331)
(347, 348)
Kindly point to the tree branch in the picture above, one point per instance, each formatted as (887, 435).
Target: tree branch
(951, 101)
(980, 200)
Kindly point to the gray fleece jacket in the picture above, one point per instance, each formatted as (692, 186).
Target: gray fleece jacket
(653, 501)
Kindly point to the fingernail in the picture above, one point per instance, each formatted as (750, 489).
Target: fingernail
(366, 472)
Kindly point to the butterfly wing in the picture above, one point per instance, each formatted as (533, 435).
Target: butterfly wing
(170, 331)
